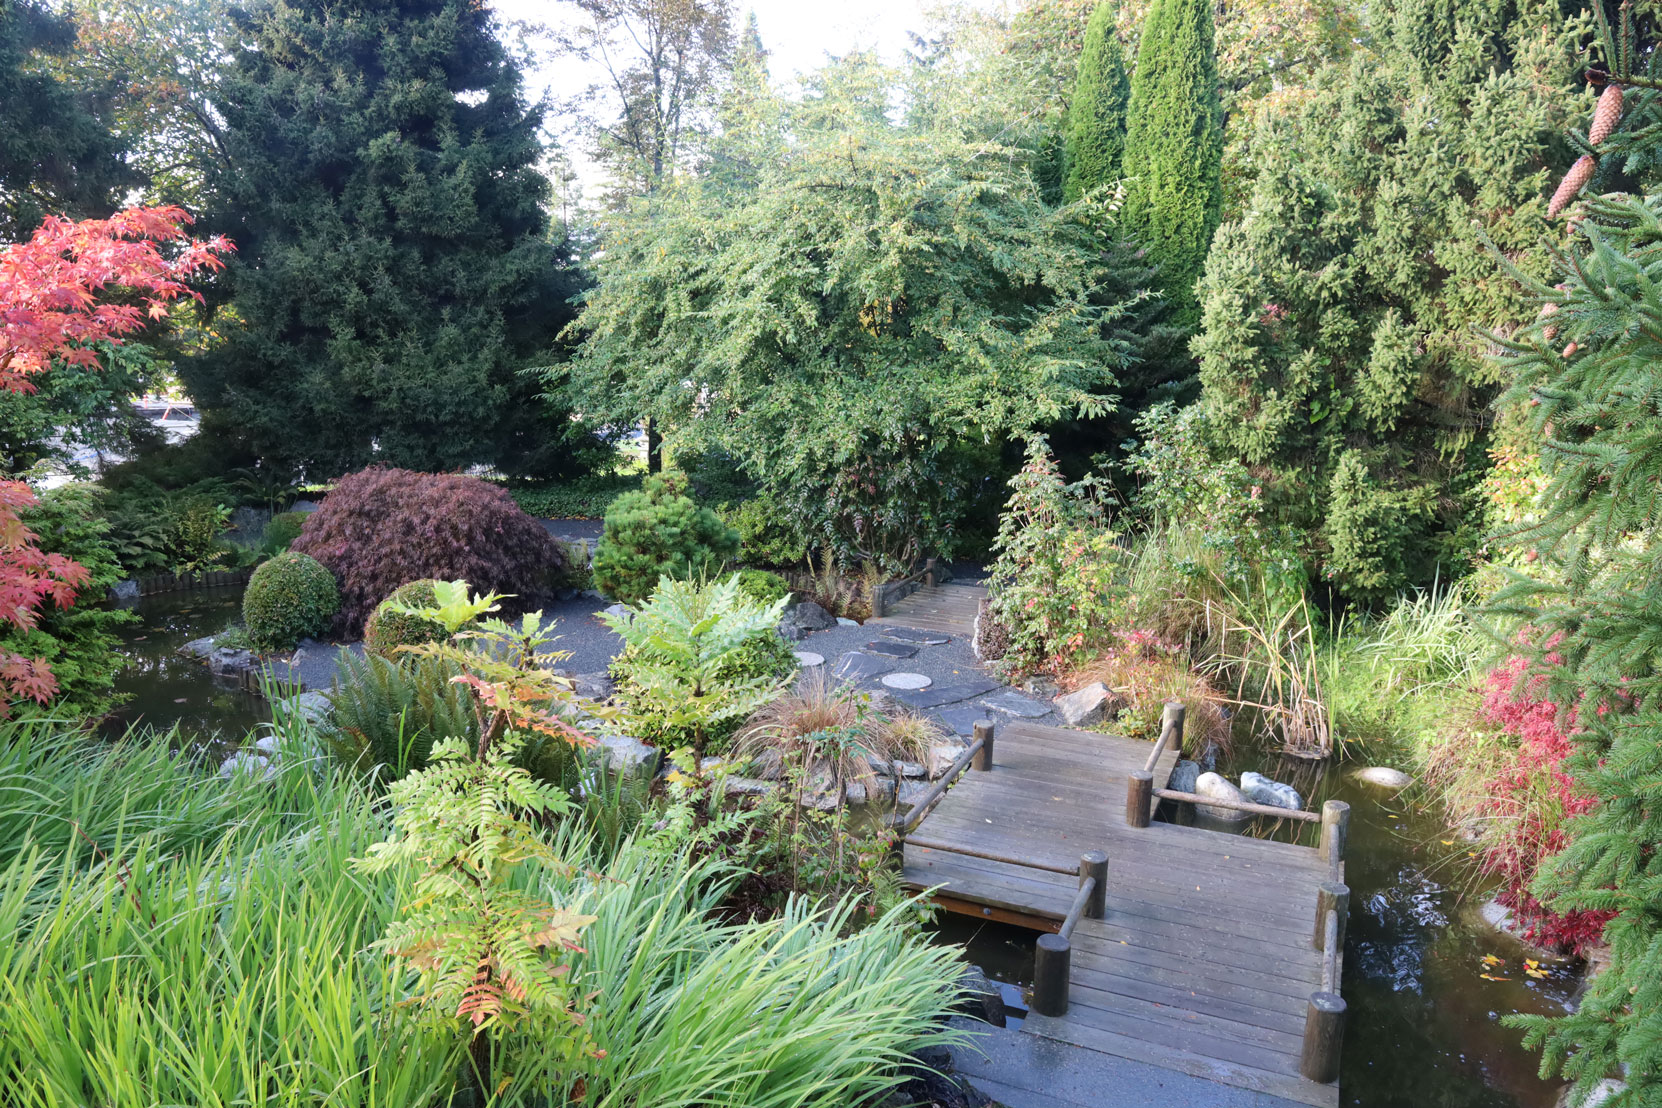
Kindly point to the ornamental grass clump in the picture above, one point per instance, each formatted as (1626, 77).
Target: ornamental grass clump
(383, 528)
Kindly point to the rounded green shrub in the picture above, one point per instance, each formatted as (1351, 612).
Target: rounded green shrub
(387, 630)
(767, 534)
(759, 584)
(289, 598)
(656, 532)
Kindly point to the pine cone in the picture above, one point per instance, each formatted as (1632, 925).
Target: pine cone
(1549, 332)
(1569, 351)
(1580, 173)
(1606, 115)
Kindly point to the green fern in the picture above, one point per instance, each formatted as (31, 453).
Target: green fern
(388, 713)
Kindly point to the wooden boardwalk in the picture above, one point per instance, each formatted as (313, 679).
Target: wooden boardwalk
(946, 608)
(1204, 961)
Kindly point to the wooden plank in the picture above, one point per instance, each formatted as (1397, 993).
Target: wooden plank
(1233, 1002)
(1198, 1032)
(1196, 1065)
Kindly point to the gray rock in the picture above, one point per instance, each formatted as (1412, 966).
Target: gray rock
(1183, 776)
(790, 632)
(313, 707)
(880, 789)
(942, 755)
(629, 753)
(1261, 790)
(769, 765)
(124, 594)
(820, 791)
(198, 648)
(945, 694)
(915, 636)
(244, 762)
(1210, 784)
(811, 617)
(983, 999)
(618, 611)
(267, 744)
(594, 686)
(1017, 704)
(857, 667)
(889, 649)
(1042, 687)
(855, 793)
(748, 786)
(962, 721)
(908, 794)
(1088, 706)
(844, 621)
(910, 769)
(1383, 777)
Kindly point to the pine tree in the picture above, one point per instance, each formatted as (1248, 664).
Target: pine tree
(394, 272)
(1588, 389)
(58, 155)
(1341, 350)
(1096, 115)
(1174, 146)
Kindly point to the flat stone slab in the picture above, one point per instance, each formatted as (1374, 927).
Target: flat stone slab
(915, 636)
(889, 649)
(807, 659)
(855, 666)
(907, 681)
(1017, 704)
(962, 721)
(945, 694)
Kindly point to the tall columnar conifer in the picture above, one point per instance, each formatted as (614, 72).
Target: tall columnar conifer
(1341, 351)
(1096, 114)
(1174, 146)
(394, 272)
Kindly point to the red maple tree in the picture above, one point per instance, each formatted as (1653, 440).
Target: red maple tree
(70, 286)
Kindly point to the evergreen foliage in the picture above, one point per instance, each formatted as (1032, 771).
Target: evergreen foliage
(58, 155)
(658, 532)
(1174, 146)
(1340, 355)
(1587, 377)
(289, 598)
(387, 628)
(1096, 115)
(394, 269)
(382, 528)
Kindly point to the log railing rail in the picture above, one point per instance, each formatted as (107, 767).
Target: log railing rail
(1053, 953)
(979, 754)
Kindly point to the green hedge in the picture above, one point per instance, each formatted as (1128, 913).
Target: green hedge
(386, 630)
(583, 498)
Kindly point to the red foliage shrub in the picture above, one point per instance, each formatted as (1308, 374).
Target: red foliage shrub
(382, 528)
(1530, 798)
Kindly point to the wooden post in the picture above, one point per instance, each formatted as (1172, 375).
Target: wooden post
(1335, 831)
(878, 592)
(929, 572)
(1172, 716)
(1094, 864)
(1330, 897)
(1324, 1035)
(983, 759)
(1139, 798)
(1052, 966)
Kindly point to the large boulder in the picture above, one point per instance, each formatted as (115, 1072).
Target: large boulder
(803, 620)
(1219, 788)
(1088, 706)
(942, 755)
(1184, 775)
(627, 752)
(1384, 777)
(1261, 790)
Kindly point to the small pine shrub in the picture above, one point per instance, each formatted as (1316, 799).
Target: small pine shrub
(382, 528)
(759, 584)
(289, 598)
(280, 533)
(387, 630)
(658, 532)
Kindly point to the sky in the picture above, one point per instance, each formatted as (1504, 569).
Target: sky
(798, 35)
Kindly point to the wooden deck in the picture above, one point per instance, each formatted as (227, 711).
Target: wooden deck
(949, 609)
(1203, 963)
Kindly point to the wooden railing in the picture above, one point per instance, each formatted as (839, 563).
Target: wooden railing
(1324, 1015)
(979, 754)
(1053, 953)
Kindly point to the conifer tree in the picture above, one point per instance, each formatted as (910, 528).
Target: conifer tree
(1096, 114)
(394, 271)
(1341, 351)
(1174, 146)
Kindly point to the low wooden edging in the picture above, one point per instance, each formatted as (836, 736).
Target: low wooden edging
(187, 582)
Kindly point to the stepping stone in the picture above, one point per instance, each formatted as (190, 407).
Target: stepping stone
(855, 666)
(889, 649)
(1017, 704)
(945, 694)
(844, 621)
(807, 659)
(915, 637)
(907, 681)
(962, 721)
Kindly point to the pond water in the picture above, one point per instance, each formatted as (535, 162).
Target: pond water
(164, 687)
(1425, 1007)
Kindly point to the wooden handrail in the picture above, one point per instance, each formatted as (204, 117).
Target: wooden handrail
(1240, 805)
(986, 855)
(1171, 725)
(1087, 889)
(904, 824)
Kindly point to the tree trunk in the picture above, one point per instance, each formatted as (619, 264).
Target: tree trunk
(654, 448)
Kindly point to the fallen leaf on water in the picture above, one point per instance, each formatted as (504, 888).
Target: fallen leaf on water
(1492, 977)
(1536, 973)
(1491, 960)
(178, 700)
